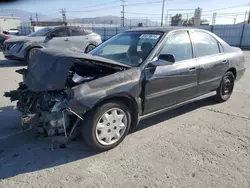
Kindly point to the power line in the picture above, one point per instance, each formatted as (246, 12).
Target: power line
(242, 5)
(138, 13)
(151, 2)
(133, 4)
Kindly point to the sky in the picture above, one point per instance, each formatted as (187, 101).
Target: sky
(227, 12)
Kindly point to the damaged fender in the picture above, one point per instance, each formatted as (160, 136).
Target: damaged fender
(124, 84)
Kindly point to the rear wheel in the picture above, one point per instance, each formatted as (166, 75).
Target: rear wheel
(223, 93)
(89, 48)
(106, 126)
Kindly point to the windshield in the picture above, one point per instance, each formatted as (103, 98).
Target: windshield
(40, 32)
(130, 48)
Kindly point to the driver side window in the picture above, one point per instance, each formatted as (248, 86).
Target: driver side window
(178, 45)
(61, 32)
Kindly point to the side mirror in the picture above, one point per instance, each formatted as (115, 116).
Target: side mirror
(167, 57)
(164, 59)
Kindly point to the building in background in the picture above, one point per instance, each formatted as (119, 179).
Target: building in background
(9, 22)
(197, 17)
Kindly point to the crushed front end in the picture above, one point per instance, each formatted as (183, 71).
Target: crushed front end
(47, 112)
(46, 96)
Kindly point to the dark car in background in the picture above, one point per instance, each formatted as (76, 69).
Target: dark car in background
(3, 38)
(60, 37)
(132, 76)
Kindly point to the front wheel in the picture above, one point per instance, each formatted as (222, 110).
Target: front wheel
(223, 93)
(106, 126)
(89, 48)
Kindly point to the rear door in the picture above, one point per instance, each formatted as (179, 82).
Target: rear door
(60, 40)
(212, 60)
(172, 83)
(79, 39)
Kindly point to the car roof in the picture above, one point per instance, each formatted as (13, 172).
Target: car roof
(160, 29)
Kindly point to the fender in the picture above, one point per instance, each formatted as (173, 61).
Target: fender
(93, 43)
(28, 48)
(121, 85)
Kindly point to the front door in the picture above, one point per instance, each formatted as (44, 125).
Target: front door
(171, 83)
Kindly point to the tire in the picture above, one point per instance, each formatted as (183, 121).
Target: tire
(89, 48)
(223, 93)
(100, 129)
(29, 54)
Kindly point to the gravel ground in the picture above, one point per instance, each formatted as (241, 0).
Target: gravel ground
(203, 144)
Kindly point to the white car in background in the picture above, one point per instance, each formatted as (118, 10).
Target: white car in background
(11, 31)
(70, 38)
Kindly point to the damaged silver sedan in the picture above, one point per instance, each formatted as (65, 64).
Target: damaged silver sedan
(134, 75)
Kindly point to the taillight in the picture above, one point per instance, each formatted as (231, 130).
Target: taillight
(7, 37)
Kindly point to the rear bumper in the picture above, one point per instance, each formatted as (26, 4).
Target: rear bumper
(240, 74)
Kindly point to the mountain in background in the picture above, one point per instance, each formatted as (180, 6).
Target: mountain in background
(115, 20)
(23, 15)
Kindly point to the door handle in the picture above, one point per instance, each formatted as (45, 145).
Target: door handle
(192, 69)
(66, 40)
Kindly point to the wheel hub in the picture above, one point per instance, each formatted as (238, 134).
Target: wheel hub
(227, 86)
(111, 126)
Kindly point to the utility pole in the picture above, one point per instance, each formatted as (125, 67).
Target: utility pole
(163, 2)
(31, 18)
(146, 21)
(36, 19)
(130, 22)
(245, 17)
(235, 20)
(214, 18)
(122, 13)
(63, 11)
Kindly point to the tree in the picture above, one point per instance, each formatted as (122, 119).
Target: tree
(176, 20)
(140, 25)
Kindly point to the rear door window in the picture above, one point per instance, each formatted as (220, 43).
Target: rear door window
(205, 44)
(75, 31)
(61, 32)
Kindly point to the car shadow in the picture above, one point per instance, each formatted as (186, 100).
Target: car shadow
(21, 152)
(11, 63)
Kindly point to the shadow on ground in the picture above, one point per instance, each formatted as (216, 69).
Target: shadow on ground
(21, 152)
(11, 63)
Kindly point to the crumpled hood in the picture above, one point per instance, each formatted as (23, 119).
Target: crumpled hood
(48, 68)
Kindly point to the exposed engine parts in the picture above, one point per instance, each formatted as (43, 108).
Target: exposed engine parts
(47, 112)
